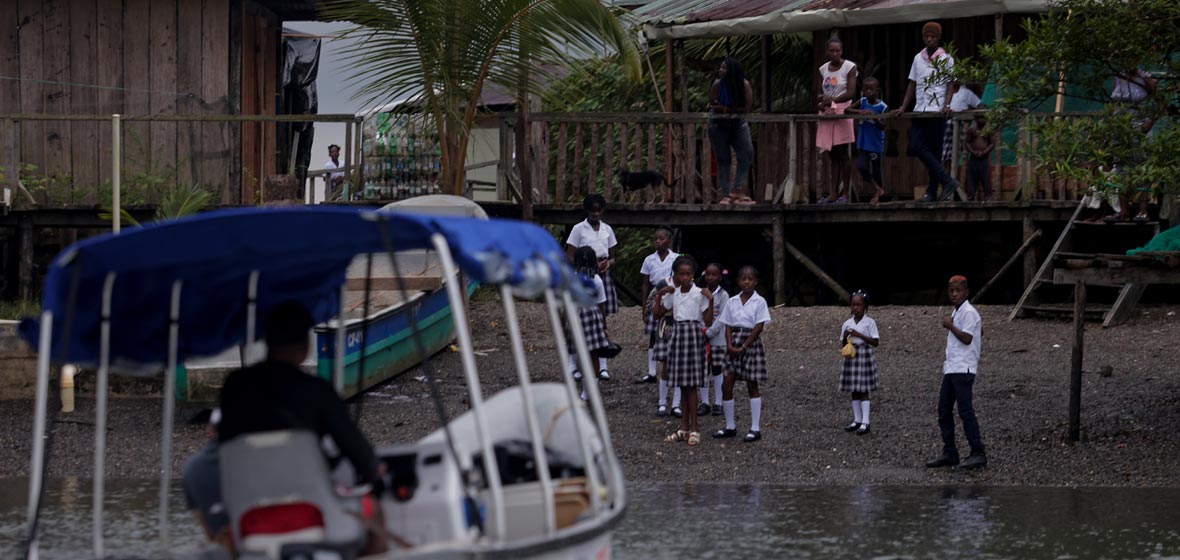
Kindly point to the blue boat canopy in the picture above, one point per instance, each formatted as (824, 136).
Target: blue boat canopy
(300, 253)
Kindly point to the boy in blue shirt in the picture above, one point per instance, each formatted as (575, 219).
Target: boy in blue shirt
(870, 143)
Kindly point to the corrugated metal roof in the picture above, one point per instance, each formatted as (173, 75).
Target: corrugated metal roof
(667, 19)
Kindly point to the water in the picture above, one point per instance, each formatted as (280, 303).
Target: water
(729, 521)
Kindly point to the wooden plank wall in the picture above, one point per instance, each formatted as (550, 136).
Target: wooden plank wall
(133, 57)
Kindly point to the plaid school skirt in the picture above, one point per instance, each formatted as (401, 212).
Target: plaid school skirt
(593, 327)
(718, 357)
(663, 338)
(859, 373)
(612, 295)
(686, 355)
(752, 365)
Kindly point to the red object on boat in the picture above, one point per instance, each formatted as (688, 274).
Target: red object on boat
(281, 518)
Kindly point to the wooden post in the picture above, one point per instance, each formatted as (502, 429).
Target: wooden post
(25, 259)
(682, 75)
(764, 87)
(562, 140)
(522, 164)
(1075, 373)
(998, 155)
(778, 238)
(669, 76)
(792, 193)
(358, 173)
(1029, 229)
(349, 188)
(505, 167)
(817, 271)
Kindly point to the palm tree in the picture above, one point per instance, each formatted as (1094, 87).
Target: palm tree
(443, 53)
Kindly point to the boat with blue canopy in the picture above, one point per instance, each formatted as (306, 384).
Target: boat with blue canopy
(144, 301)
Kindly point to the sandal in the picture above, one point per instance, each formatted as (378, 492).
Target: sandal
(678, 435)
(1141, 218)
(724, 433)
(694, 438)
(745, 201)
(753, 436)
(725, 201)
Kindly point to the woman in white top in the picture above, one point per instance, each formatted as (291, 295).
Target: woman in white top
(859, 373)
(838, 80)
(596, 234)
(692, 311)
(744, 317)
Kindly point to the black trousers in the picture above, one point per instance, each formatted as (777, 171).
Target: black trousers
(979, 177)
(956, 388)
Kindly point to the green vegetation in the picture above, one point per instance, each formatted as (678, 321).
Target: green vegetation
(19, 309)
(1073, 53)
(441, 54)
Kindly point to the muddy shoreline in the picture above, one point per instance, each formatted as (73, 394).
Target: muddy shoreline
(1130, 418)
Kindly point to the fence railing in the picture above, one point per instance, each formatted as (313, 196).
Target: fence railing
(572, 154)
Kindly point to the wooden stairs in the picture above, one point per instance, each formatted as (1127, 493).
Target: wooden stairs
(1079, 243)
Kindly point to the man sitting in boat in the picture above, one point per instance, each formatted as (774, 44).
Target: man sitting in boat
(201, 479)
(277, 395)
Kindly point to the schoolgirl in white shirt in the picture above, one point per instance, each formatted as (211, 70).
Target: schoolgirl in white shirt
(859, 373)
(692, 310)
(714, 273)
(656, 267)
(744, 316)
(596, 234)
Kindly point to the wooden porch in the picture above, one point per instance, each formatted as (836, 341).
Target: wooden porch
(568, 155)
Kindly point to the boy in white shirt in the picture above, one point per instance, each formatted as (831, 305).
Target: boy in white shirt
(963, 340)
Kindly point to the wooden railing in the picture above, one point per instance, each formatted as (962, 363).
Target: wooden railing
(572, 154)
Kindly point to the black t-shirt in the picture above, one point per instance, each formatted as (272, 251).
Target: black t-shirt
(276, 396)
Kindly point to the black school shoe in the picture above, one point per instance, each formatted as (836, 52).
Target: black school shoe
(753, 436)
(974, 461)
(724, 433)
(704, 409)
(944, 460)
(852, 427)
(863, 429)
(647, 378)
(677, 412)
(717, 411)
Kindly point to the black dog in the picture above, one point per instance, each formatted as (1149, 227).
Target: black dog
(638, 180)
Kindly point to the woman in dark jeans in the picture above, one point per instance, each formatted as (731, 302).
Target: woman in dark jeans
(731, 94)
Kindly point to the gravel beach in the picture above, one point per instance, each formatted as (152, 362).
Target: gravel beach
(1130, 413)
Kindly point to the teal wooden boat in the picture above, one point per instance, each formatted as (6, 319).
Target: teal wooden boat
(413, 289)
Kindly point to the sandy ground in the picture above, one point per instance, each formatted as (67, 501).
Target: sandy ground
(1131, 418)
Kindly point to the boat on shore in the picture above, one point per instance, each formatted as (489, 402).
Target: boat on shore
(378, 311)
(527, 473)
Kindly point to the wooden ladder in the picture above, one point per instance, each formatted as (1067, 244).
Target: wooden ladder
(1116, 313)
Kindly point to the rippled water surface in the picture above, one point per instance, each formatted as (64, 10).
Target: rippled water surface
(729, 521)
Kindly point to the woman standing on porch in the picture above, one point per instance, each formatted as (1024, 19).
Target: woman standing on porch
(731, 94)
(838, 79)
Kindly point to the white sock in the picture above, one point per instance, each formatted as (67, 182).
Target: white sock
(651, 362)
(573, 364)
(756, 414)
(865, 414)
(663, 393)
(856, 411)
(730, 423)
(676, 397)
(601, 364)
(704, 395)
(717, 380)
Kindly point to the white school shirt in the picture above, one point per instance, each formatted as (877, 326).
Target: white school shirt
(599, 290)
(716, 332)
(746, 315)
(656, 269)
(689, 306)
(964, 358)
(928, 91)
(583, 235)
(964, 99)
(867, 326)
(331, 165)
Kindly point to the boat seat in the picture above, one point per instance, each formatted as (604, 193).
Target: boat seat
(276, 489)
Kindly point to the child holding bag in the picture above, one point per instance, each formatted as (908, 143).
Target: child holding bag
(859, 373)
